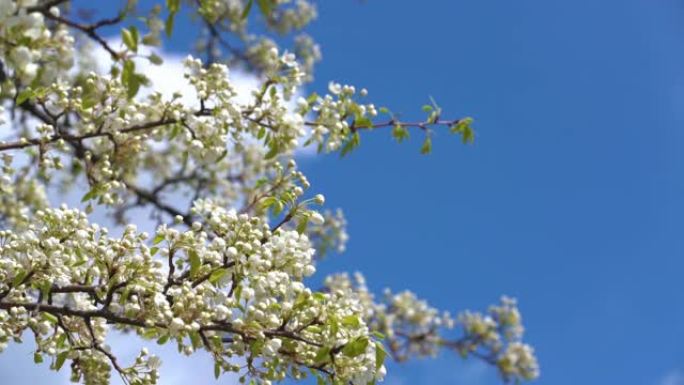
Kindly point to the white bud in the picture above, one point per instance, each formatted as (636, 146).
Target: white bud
(316, 218)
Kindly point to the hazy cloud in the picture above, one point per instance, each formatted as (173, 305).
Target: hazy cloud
(675, 377)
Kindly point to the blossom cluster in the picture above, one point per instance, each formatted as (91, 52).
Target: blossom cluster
(414, 328)
(29, 47)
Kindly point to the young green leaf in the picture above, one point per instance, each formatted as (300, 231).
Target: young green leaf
(245, 11)
(427, 146)
(168, 25)
(50, 318)
(351, 320)
(59, 361)
(355, 347)
(155, 59)
(216, 276)
(195, 262)
(266, 7)
(130, 38)
(25, 95)
(173, 5)
(380, 355)
(217, 370)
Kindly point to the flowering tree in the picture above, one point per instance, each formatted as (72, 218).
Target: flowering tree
(224, 270)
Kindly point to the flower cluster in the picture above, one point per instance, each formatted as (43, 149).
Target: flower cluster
(28, 47)
(414, 328)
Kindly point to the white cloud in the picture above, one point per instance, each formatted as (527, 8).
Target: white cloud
(675, 377)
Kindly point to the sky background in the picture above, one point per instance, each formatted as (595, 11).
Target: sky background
(571, 199)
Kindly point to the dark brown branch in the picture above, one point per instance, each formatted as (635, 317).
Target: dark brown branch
(44, 7)
(88, 30)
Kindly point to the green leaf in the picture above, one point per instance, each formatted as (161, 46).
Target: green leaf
(59, 362)
(46, 286)
(322, 356)
(195, 262)
(163, 339)
(168, 25)
(50, 318)
(256, 347)
(154, 251)
(25, 95)
(130, 38)
(434, 115)
(136, 36)
(278, 207)
(123, 297)
(311, 99)
(363, 122)
(158, 239)
(318, 296)
(273, 151)
(88, 102)
(173, 5)
(149, 333)
(248, 7)
(155, 59)
(35, 83)
(61, 340)
(128, 71)
(89, 195)
(380, 354)
(217, 275)
(334, 326)
(134, 85)
(400, 133)
(238, 291)
(427, 108)
(266, 7)
(19, 278)
(427, 146)
(468, 135)
(351, 144)
(384, 110)
(217, 370)
(130, 79)
(37, 357)
(195, 339)
(464, 128)
(356, 347)
(302, 225)
(378, 335)
(267, 202)
(352, 321)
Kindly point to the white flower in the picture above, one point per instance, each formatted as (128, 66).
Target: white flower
(154, 362)
(334, 88)
(21, 56)
(316, 218)
(272, 346)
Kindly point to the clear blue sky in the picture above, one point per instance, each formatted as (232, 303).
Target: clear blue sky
(572, 198)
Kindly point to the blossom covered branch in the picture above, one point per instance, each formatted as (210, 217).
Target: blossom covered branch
(224, 271)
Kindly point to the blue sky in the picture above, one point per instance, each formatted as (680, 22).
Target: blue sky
(572, 198)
